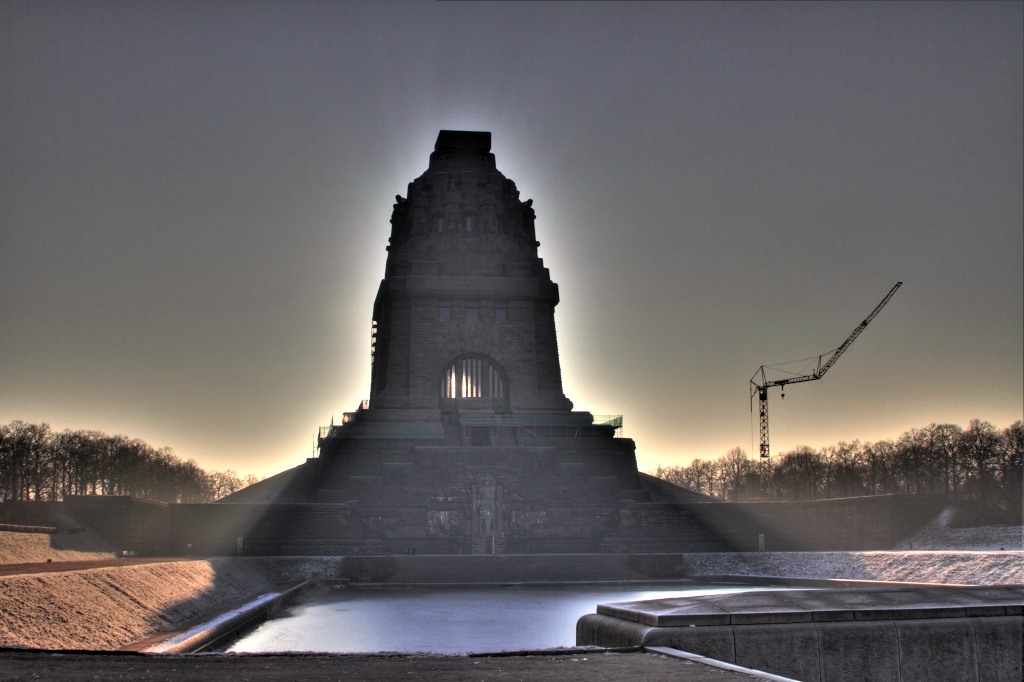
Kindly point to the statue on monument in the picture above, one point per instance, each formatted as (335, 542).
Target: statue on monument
(452, 210)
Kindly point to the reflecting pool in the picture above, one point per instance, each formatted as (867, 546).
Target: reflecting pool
(443, 620)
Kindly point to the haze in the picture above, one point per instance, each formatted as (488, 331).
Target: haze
(194, 205)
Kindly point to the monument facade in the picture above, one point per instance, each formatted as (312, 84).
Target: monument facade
(467, 443)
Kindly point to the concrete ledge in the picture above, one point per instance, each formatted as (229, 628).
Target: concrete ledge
(943, 649)
(902, 635)
(226, 625)
(806, 606)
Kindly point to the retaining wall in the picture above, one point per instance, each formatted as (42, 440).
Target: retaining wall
(848, 524)
(157, 529)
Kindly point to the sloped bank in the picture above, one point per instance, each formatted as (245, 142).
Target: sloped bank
(19, 548)
(107, 608)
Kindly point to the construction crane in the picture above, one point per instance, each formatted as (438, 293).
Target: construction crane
(759, 383)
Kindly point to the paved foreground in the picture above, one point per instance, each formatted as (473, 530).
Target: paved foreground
(589, 667)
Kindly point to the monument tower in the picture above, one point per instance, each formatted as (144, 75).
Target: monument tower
(467, 443)
(464, 321)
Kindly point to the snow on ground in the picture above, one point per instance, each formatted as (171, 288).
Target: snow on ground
(25, 548)
(938, 553)
(946, 567)
(939, 535)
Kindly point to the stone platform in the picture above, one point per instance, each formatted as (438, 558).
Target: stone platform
(901, 634)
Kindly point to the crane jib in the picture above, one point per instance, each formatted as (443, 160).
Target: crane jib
(761, 388)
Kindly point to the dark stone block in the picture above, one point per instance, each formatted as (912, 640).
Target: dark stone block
(937, 650)
(859, 652)
(999, 648)
(790, 650)
(661, 565)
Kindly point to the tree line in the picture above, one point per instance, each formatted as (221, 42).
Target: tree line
(980, 463)
(37, 463)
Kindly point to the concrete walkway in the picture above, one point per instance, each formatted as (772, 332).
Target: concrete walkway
(579, 667)
(62, 566)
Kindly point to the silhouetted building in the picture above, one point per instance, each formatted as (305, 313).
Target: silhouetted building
(467, 443)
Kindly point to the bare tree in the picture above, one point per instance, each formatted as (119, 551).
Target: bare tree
(978, 463)
(37, 464)
(734, 467)
(1011, 464)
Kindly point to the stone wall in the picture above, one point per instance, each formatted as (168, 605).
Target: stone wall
(542, 526)
(855, 523)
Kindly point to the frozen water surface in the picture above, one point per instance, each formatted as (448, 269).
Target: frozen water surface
(443, 620)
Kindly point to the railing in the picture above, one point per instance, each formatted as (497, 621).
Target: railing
(346, 418)
(573, 420)
(613, 420)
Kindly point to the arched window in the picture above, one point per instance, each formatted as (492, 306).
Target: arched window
(473, 377)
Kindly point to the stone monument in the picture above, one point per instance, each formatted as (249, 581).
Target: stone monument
(467, 443)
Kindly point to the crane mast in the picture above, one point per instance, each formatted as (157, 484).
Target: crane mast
(759, 383)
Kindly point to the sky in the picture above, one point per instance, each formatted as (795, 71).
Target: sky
(194, 206)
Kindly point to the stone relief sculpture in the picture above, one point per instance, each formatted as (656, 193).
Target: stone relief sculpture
(485, 503)
(486, 506)
(529, 216)
(398, 213)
